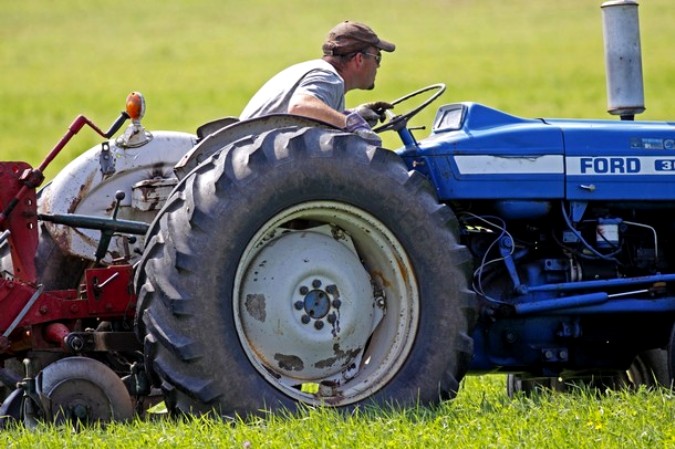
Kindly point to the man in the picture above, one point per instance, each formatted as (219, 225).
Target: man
(317, 88)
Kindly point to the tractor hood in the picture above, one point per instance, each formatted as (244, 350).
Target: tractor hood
(480, 153)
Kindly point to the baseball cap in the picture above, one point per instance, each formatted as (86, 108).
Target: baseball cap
(348, 37)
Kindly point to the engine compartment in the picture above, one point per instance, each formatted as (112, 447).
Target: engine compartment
(569, 226)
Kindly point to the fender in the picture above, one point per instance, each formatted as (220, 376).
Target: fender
(232, 129)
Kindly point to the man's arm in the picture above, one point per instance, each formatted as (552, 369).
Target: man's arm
(312, 107)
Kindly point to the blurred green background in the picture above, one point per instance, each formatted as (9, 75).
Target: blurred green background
(198, 60)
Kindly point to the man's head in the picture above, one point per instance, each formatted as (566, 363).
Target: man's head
(355, 51)
(350, 37)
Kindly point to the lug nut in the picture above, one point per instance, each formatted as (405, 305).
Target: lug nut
(299, 305)
(318, 325)
(316, 283)
(305, 319)
(304, 290)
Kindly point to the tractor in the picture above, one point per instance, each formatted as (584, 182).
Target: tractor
(277, 262)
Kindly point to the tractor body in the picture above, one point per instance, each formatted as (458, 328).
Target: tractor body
(569, 223)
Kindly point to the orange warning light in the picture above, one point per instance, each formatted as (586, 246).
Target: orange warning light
(135, 105)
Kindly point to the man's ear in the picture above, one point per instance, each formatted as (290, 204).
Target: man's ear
(358, 59)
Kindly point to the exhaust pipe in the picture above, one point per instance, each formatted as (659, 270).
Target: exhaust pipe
(623, 58)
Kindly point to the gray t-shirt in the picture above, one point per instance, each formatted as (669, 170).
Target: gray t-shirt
(317, 78)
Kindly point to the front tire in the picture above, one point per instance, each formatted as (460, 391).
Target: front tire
(304, 266)
(649, 369)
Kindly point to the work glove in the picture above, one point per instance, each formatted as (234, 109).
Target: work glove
(358, 125)
(373, 112)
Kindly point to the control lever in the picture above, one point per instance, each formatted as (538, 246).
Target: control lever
(106, 234)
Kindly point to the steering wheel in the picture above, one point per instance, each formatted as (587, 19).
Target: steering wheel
(399, 121)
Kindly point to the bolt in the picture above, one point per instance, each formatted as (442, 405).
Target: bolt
(44, 309)
(76, 343)
(304, 290)
(506, 243)
(380, 302)
(318, 325)
(563, 354)
(316, 283)
(548, 355)
(79, 411)
(299, 305)
(305, 319)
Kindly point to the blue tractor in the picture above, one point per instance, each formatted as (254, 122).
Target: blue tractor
(339, 273)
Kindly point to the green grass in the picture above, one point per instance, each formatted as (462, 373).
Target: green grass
(195, 61)
(481, 417)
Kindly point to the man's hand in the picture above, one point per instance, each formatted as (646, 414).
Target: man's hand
(355, 123)
(373, 112)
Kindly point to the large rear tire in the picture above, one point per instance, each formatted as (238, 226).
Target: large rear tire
(304, 266)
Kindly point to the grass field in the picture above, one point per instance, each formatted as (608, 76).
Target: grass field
(481, 417)
(195, 61)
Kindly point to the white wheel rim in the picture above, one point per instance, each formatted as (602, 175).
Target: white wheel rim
(297, 336)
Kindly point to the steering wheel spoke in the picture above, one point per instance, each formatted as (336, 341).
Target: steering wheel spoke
(400, 121)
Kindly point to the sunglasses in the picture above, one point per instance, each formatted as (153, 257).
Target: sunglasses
(376, 56)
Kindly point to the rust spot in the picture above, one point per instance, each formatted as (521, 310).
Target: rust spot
(402, 269)
(61, 236)
(149, 195)
(289, 362)
(378, 275)
(158, 171)
(84, 190)
(326, 363)
(255, 306)
(344, 358)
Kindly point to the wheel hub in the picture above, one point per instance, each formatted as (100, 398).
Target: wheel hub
(316, 303)
(307, 305)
